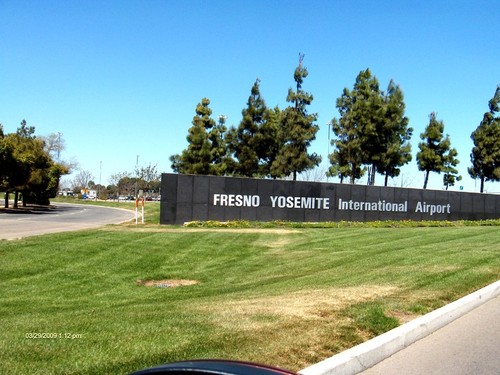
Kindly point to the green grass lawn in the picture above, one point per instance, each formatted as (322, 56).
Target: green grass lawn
(286, 297)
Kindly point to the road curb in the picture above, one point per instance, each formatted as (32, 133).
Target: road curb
(369, 353)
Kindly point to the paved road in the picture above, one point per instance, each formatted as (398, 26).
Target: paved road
(469, 345)
(61, 218)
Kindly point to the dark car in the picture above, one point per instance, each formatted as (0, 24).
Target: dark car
(213, 367)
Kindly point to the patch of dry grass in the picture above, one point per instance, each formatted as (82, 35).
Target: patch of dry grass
(167, 283)
(297, 329)
(317, 304)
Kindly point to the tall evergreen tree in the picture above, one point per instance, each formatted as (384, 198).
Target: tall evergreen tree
(485, 155)
(340, 161)
(436, 154)
(268, 142)
(396, 150)
(297, 131)
(372, 131)
(246, 139)
(346, 159)
(368, 110)
(357, 130)
(219, 149)
(450, 172)
(203, 145)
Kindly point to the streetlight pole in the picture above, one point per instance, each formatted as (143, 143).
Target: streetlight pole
(58, 145)
(136, 175)
(329, 124)
(100, 175)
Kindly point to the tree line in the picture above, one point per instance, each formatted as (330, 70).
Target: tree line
(145, 178)
(268, 141)
(27, 168)
(371, 135)
(30, 170)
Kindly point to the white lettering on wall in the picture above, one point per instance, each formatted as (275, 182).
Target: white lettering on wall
(318, 203)
(312, 203)
(381, 205)
(432, 209)
(236, 200)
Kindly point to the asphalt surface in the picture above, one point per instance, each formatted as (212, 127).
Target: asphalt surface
(468, 345)
(59, 218)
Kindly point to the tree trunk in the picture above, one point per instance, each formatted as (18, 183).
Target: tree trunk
(426, 179)
(370, 172)
(482, 184)
(372, 177)
(16, 199)
(6, 199)
(386, 178)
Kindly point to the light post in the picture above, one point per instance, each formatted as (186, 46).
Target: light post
(136, 175)
(58, 145)
(329, 124)
(99, 186)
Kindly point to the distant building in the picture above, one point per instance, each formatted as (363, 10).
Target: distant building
(88, 194)
(66, 192)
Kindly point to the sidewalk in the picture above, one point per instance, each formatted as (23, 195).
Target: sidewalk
(468, 345)
(464, 333)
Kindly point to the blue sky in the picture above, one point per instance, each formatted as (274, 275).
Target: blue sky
(121, 79)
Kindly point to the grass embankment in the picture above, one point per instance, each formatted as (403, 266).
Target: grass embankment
(285, 296)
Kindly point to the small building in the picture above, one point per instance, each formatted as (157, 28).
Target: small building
(88, 194)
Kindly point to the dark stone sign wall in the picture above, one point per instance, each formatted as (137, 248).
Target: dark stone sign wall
(188, 198)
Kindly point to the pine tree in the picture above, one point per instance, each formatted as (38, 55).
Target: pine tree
(485, 155)
(199, 156)
(396, 150)
(450, 172)
(372, 131)
(368, 111)
(245, 140)
(268, 142)
(346, 159)
(436, 154)
(219, 150)
(357, 129)
(297, 131)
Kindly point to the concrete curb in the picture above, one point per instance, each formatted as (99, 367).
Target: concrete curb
(369, 353)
